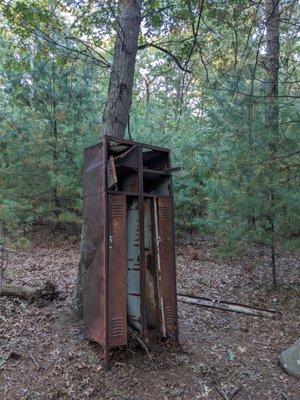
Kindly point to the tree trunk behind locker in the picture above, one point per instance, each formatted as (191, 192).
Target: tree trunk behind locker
(119, 97)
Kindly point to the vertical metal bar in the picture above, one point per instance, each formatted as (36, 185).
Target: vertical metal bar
(173, 255)
(106, 261)
(158, 266)
(142, 239)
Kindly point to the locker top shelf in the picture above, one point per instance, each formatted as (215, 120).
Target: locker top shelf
(133, 143)
(154, 174)
(135, 194)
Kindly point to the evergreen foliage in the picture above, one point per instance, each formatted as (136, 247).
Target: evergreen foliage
(204, 98)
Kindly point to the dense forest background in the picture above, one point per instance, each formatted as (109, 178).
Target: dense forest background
(200, 89)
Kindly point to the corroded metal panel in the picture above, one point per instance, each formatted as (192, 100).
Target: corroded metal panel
(150, 266)
(117, 270)
(141, 243)
(129, 242)
(133, 266)
(94, 225)
(167, 263)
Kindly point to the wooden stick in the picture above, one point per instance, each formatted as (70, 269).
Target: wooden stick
(227, 306)
(18, 291)
(228, 396)
(235, 392)
(223, 394)
(47, 291)
(34, 360)
(136, 337)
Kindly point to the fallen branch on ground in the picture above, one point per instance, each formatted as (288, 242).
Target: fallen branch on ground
(227, 306)
(136, 338)
(47, 292)
(32, 358)
(228, 396)
(18, 291)
(222, 393)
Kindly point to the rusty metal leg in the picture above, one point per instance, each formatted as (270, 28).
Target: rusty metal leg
(176, 337)
(107, 363)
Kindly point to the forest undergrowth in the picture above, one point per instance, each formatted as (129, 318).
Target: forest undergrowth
(43, 354)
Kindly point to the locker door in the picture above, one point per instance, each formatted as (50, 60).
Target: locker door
(93, 214)
(117, 271)
(167, 265)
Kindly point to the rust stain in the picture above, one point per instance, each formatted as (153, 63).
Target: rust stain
(119, 174)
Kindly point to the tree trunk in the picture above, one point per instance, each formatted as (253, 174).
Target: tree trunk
(272, 67)
(117, 107)
(272, 110)
(54, 144)
(119, 97)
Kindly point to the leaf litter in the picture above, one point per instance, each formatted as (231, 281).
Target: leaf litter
(43, 354)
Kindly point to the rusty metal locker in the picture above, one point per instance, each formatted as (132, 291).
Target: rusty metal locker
(130, 277)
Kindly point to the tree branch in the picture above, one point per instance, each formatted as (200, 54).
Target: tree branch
(171, 55)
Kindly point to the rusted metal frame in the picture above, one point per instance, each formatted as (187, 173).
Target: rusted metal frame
(173, 255)
(148, 195)
(158, 270)
(120, 192)
(142, 240)
(94, 145)
(106, 261)
(133, 143)
(136, 194)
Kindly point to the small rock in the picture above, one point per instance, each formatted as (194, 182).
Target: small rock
(290, 359)
(231, 356)
(177, 391)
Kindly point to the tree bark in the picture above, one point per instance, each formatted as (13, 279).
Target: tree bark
(272, 68)
(119, 97)
(54, 143)
(272, 110)
(118, 102)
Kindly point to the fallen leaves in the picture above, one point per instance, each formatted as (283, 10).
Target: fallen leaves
(221, 348)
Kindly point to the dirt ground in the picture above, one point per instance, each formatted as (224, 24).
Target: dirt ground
(43, 354)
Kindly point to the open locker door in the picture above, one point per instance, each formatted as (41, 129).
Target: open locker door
(94, 245)
(166, 265)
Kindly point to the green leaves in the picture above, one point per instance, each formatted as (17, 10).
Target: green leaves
(53, 93)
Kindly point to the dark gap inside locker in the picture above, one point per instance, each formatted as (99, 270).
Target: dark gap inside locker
(130, 276)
